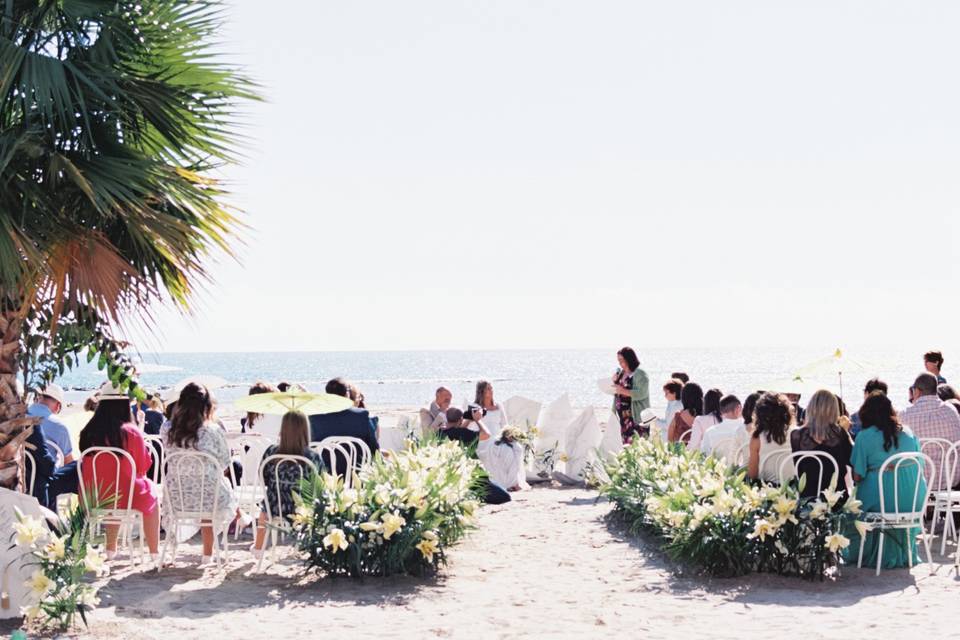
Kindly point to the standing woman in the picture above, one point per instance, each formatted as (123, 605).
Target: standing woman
(193, 429)
(691, 397)
(631, 395)
(495, 416)
(112, 426)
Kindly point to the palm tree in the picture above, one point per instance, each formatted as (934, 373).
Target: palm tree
(113, 118)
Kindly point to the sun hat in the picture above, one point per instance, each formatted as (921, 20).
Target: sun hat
(648, 416)
(54, 391)
(109, 391)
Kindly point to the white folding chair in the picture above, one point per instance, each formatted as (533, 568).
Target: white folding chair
(946, 501)
(884, 520)
(331, 452)
(249, 450)
(103, 493)
(58, 451)
(360, 451)
(193, 465)
(724, 449)
(797, 457)
(30, 480)
(277, 522)
(771, 462)
(155, 445)
(741, 457)
(685, 437)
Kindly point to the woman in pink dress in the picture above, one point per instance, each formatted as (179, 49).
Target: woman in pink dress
(112, 426)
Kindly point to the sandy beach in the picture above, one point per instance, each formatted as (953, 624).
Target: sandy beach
(550, 564)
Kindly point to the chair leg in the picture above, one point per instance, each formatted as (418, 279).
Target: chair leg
(926, 545)
(907, 539)
(879, 550)
(863, 541)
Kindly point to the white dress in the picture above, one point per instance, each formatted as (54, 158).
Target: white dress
(503, 462)
(495, 421)
(769, 469)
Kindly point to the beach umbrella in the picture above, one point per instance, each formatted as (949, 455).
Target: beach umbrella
(279, 403)
(836, 364)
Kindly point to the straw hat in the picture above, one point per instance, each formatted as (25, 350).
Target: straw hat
(54, 391)
(647, 417)
(109, 391)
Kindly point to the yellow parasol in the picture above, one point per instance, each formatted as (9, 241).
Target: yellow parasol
(278, 403)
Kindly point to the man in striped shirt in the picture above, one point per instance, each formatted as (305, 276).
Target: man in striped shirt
(930, 417)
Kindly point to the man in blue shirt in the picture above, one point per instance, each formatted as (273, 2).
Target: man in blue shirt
(47, 404)
(352, 422)
(873, 384)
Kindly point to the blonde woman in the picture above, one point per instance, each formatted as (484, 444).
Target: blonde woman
(821, 432)
(294, 441)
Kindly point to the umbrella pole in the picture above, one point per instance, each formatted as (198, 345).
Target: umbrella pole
(840, 373)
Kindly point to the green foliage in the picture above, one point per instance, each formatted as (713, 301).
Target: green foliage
(63, 557)
(46, 354)
(408, 510)
(707, 514)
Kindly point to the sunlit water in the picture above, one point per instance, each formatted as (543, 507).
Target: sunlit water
(408, 378)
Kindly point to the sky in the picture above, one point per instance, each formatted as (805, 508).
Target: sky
(564, 174)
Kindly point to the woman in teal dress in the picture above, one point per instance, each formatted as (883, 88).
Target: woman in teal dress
(883, 436)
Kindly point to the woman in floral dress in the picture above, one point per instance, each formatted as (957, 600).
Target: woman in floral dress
(631, 395)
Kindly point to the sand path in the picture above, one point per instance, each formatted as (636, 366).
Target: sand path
(547, 565)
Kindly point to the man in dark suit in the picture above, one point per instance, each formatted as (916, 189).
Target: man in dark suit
(349, 422)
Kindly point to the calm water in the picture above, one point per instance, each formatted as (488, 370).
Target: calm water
(406, 379)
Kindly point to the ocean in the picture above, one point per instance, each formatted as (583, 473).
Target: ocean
(395, 379)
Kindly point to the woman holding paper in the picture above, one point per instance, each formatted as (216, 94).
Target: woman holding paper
(631, 390)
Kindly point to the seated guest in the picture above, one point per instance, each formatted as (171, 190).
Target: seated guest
(930, 417)
(946, 392)
(352, 422)
(730, 430)
(494, 415)
(294, 441)
(772, 424)
(193, 428)
(933, 362)
(748, 406)
(49, 481)
(153, 415)
(47, 404)
(257, 423)
(671, 392)
(501, 457)
(112, 426)
(691, 397)
(457, 429)
(360, 402)
(711, 416)
(883, 436)
(681, 376)
(821, 432)
(873, 384)
(434, 418)
(90, 404)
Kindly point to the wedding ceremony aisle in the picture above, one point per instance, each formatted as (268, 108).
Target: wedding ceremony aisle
(547, 565)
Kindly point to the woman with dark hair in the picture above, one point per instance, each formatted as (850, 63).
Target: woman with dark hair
(691, 397)
(257, 423)
(710, 418)
(748, 407)
(193, 429)
(883, 436)
(772, 423)
(631, 390)
(112, 426)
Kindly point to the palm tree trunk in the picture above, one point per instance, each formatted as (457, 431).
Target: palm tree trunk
(15, 426)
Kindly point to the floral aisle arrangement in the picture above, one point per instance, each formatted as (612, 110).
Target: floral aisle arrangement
(402, 514)
(709, 516)
(62, 556)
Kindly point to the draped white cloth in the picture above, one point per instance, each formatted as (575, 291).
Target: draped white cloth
(582, 439)
(15, 566)
(503, 462)
(612, 442)
(523, 412)
(553, 422)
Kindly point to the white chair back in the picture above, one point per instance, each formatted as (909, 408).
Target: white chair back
(896, 462)
(155, 445)
(29, 480)
(824, 475)
(249, 450)
(102, 492)
(770, 462)
(58, 451)
(192, 465)
(741, 456)
(331, 453)
(273, 479)
(725, 449)
(685, 437)
(942, 450)
(359, 449)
